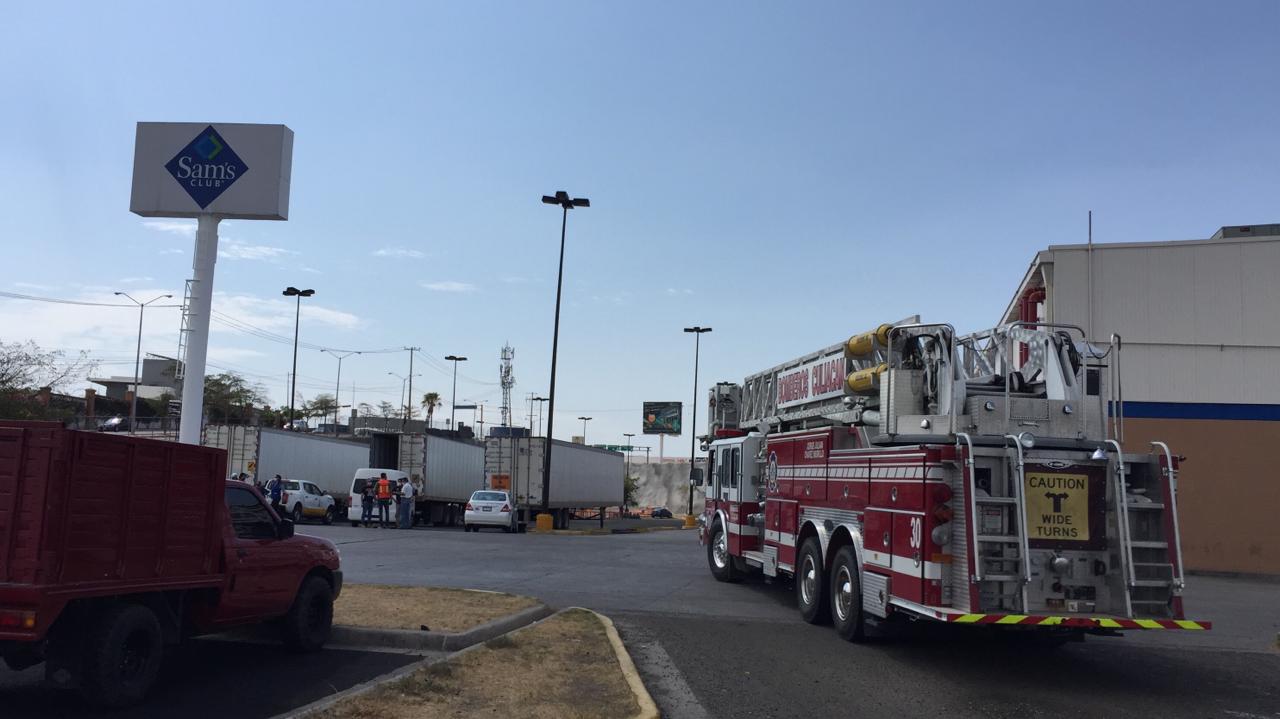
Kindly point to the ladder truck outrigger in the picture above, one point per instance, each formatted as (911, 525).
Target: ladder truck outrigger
(912, 473)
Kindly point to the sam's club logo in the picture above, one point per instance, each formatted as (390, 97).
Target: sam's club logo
(206, 167)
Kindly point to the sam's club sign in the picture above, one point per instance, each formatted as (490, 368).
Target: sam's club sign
(232, 170)
(206, 167)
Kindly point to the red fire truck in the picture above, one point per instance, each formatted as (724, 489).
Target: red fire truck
(912, 473)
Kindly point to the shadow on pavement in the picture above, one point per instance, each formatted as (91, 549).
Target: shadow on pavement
(210, 678)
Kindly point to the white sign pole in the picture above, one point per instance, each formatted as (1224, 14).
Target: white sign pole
(206, 254)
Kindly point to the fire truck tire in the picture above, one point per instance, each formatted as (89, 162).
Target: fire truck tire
(846, 596)
(718, 557)
(812, 596)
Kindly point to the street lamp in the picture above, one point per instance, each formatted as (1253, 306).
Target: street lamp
(403, 379)
(453, 401)
(338, 385)
(584, 428)
(627, 471)
(693, 439)
(297, 317)
(539, 400)
(137, 360)
(566, 203)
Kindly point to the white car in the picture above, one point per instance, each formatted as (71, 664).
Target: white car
(305, 500)
(489, 508)
(358, 482)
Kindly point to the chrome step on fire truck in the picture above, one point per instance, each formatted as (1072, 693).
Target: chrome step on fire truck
(912, 473)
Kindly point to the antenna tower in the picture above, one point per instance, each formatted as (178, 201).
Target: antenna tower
(508, 381)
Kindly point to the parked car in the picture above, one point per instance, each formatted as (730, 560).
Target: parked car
(363, 476)
(114, 424)
(660, 513)
(488, 508)
(304, 499)
(98, 610)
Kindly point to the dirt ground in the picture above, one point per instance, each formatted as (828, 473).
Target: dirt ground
(562, 668)
(438, 609)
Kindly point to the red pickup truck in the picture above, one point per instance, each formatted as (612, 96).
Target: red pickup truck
(112, 547)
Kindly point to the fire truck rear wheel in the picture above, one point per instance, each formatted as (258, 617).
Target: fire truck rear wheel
(718, 556)
(811, 593)
(846, 596)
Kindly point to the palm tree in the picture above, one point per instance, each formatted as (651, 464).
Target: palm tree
(430, 401)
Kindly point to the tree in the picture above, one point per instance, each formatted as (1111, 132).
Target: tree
(629, 485)
(228, 396)
(25, 369)
(323, 405)
(430, 401)
(386, 410)
(365, 409)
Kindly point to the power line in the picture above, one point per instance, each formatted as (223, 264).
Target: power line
(55, 300)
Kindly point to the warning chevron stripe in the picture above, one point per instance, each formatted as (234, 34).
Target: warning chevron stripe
(1078, 622)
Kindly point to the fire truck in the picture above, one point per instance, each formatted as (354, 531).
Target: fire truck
(912, 473)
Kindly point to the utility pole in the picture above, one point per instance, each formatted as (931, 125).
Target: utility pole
(408, 400)
(453, 401)
(137, 362)
(297, 320)
(337, 388)
(693, 429)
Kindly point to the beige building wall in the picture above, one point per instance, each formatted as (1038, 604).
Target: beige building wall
(1228, 490)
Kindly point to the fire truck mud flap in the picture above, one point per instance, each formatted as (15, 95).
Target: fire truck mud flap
(1064, 622)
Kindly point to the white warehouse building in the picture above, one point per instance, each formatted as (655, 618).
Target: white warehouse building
(1199, 324)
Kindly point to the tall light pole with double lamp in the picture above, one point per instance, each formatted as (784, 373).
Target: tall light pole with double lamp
(338, 385)
(584, 428)
(693, 429)
(566, 203)
(137, 360)
(453, 401)
(297, 318)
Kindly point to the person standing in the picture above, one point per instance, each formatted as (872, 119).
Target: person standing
(275, 488)
(368, 499)
(406, 503)
(384, 500)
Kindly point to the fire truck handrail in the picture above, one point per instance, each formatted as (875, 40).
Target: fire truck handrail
(1178, 578)
(1024, 547)
(972, 519)
(1122, 521)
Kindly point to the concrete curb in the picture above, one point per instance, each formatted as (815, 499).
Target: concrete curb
(606, 532)
(320, 705)
(437, 641)
(648, 709)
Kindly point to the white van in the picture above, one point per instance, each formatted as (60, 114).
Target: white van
(364, 476)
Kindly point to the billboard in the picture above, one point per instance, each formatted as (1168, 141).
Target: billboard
(232, 170)
(662, 417)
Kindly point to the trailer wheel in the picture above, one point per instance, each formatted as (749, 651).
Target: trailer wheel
(718, 557)
(846, 596)
(122, 656)
(811, 595)
(306, 626)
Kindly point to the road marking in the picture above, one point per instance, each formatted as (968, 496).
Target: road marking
(663, 679)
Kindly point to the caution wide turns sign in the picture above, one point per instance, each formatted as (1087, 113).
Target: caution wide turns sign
(1065, 507)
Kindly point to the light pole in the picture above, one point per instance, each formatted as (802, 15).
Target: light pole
(693, 429)
(297, 318)
(453, 401)
(403, 379)
(566, 203)
(628, 435)
(337, 387)
(137, 360)
(539, 400)
(584, 428)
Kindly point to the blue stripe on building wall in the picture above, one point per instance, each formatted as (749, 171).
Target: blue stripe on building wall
(1202, 410)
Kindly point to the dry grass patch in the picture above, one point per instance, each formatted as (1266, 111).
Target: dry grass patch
(563, 668)
(439, 609)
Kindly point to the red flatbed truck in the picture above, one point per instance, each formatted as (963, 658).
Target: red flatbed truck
(112, 547)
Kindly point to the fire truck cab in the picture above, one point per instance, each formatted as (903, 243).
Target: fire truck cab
(912, 473)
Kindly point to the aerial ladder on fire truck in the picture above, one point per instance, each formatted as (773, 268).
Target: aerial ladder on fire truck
(976, 479)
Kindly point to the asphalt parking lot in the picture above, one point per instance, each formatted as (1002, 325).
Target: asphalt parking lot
(212, 678)
(707, 649)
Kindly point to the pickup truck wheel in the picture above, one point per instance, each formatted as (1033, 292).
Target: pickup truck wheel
(306, 626)
(296, 514)
(122, 655)
(328, 516)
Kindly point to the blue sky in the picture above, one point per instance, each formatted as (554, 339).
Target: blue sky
(787, 174)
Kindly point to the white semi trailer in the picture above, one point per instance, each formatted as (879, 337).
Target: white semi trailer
(581, 477)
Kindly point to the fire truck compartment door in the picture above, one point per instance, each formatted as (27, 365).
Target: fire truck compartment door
(908, 556)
